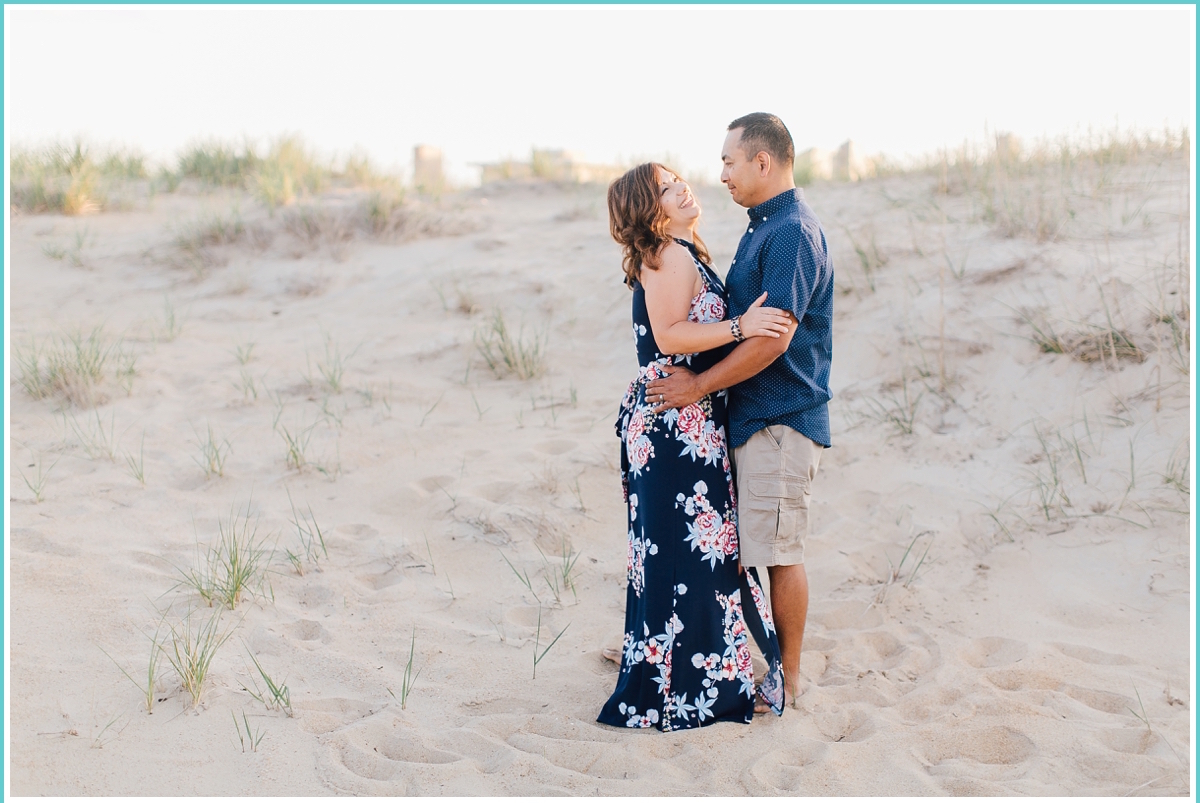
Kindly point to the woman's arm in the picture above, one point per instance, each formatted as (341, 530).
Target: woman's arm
(681, 387)
(669, 294)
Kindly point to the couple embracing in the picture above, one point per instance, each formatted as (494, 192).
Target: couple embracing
(721, 434)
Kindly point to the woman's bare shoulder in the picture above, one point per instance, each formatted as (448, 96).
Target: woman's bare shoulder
(675, 259)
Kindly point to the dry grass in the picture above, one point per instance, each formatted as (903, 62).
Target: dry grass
(70, 367)
(69, 178)
(507, 353)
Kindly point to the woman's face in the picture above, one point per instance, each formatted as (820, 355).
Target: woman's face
(678, 203)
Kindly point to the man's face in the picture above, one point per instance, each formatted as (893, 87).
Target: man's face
(741, 173)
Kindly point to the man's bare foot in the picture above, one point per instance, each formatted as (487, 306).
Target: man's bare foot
(612, 654)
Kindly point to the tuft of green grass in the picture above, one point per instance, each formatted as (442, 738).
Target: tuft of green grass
(232, 568)
(408, 680)
(288, 171)
(252, 738)
(246, 384)
(213, 452)
(508, 353)
(67, 178)
(220, 163)
(72, 252)
(244, 352)
(897, 410)
(382, 212)
(190, 649)
(332, 366)
(71, 367)
(537, 643)
(152, 667)
(137, 465)
(559, 577)
(1176, 473)
(97, 441)
(37, 485)
(277, 696)
(869, 256)
(296, 444)
(308, 532)
(523, 576)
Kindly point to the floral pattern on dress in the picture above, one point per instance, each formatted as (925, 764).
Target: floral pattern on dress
(713, 533)
(682, 567)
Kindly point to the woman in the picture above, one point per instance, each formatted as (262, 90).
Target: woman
(685, 660)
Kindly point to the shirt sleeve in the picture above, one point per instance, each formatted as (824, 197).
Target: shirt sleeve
(791, 269)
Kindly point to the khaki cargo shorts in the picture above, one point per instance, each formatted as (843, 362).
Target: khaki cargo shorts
(775, 471)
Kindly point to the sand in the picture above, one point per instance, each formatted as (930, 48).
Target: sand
(1028, 643)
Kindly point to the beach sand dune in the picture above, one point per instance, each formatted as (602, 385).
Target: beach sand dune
(1000, 559)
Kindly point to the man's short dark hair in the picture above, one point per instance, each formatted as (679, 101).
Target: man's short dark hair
(766, 132)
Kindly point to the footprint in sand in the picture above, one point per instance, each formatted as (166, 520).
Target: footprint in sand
(847, 616)
(312, 596)
(499, 491)
(329, 714)
(1132, 741)
(1020, 679)
(785, 770)
(991, 745)
(378, 582)
(555, 447)
(1093, 656)
(1104, 701)
(28, 539)
(501, 705)
(984, 653)
(433, 485)
(308, 630)
(582, 748)
(844, 723)
(391, 751)
(357, 530)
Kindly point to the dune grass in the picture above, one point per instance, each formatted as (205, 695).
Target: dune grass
(277, 695)
(234, 567)
(248, 738)
(137, 465)
(214, 451)
(218, 163)
(191, 648)
(70, 367)
(331, 365)
(98, 441)
(310, 536)
(506, 353)
(538, 653)
(69, 178)
(152, 675)
(41, 473)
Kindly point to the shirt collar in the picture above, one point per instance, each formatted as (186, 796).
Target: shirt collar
(777, 204)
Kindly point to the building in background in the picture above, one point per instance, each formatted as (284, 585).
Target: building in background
(847, 163)
(428, 175)
(548, 164)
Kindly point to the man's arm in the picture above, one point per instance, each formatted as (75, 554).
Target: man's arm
(683, 387)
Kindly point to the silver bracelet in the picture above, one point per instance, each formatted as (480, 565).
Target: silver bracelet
(735, 326)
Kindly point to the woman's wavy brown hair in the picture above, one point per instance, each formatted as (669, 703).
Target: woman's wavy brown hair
(637, 221)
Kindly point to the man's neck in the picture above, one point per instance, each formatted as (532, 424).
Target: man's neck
(774, 192)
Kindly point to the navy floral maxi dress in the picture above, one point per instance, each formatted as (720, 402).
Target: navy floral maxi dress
(689, 611)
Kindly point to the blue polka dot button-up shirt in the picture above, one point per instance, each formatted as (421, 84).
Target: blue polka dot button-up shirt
(784, 253)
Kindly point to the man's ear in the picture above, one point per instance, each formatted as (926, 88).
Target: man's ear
(763, 159)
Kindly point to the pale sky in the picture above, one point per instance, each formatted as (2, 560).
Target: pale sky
(612, 83)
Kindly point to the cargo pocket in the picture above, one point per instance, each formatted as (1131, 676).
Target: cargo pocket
(775, 502)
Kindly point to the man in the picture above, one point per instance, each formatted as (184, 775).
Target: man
(779, 388)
